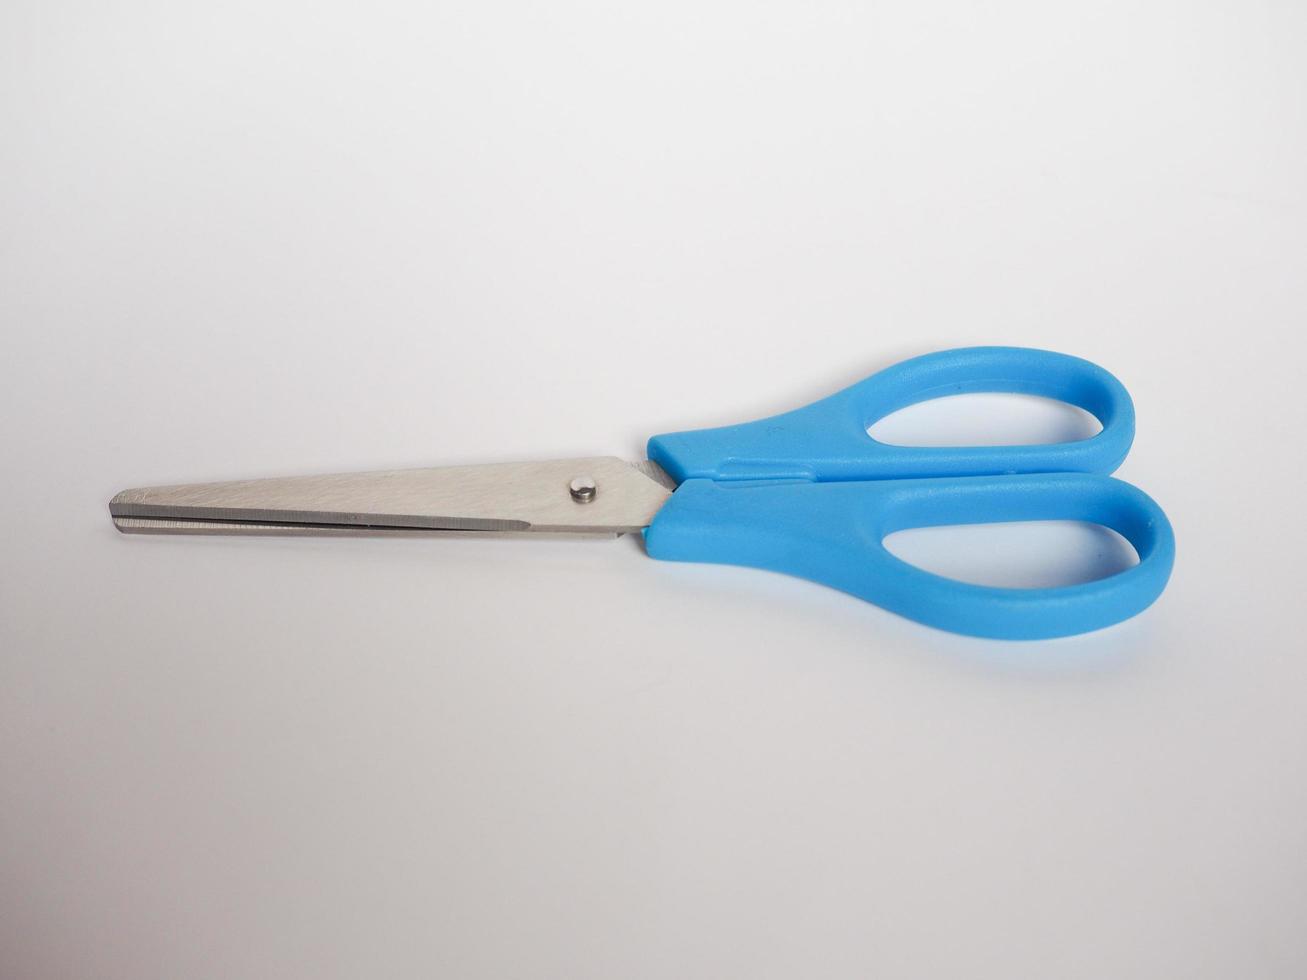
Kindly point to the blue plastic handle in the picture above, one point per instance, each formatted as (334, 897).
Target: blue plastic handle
(833, 533)
(828, 439)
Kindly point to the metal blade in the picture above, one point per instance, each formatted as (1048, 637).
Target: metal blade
(164, 525)
(499, 497)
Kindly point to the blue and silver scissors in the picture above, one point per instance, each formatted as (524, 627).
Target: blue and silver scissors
(808, 492)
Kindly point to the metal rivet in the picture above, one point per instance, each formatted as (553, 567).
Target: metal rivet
(583, 489)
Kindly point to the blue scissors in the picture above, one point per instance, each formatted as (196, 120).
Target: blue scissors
(808, 492)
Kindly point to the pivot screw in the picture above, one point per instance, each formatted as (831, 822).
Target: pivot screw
(583, 489)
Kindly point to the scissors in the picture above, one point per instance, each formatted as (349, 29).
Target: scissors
(808, 492)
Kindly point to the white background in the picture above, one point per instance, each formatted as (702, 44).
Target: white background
(264, 238)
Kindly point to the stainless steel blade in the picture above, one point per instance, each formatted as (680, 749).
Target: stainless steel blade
(164, 525)
(497, 497)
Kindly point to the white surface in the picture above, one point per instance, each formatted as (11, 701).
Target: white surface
(252, 239)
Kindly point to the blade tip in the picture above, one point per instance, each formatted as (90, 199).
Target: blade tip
(131, 496)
